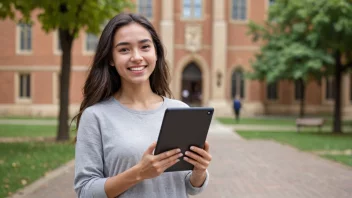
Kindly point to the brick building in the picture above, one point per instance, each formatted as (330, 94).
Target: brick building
(207, 50)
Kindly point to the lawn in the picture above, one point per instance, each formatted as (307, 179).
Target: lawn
(23, 163)
(27, 118)
(273, 121)
(345, 159)
(308, 142)
(27, 130)
(258, 121)
(7, 130)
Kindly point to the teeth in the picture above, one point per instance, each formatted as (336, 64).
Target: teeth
(137, 68)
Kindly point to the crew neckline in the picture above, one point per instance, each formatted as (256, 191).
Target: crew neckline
(151, 111)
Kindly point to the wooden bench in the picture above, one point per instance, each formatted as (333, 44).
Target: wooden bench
(309, 122)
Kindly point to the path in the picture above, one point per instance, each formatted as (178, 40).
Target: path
(244, 169)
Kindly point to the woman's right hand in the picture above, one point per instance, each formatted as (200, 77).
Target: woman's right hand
(152, 166)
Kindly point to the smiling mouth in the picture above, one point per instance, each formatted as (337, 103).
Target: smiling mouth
(136, 68)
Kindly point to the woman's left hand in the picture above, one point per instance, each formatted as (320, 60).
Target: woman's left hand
(200, 158)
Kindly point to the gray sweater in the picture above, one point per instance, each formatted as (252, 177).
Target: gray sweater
(112, 138)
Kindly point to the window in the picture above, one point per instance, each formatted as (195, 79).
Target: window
(271, 91)
(298, 88)
(57, 44)
(24, 86)
(145, 8)
(58, 81)
(351, 88)
(271, 2)
(25, 37)
(192, 9)
(239, 10)
(237, 84)
(91, 42)
(329, 89)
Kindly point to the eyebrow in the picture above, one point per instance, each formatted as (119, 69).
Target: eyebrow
(127, 43)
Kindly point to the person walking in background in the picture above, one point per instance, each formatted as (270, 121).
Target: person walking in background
(237, 108)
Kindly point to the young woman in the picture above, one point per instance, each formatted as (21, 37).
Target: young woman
(125, 96)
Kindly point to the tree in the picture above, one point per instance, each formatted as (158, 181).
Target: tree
(315, 33)
(68, 17)
(284, 56)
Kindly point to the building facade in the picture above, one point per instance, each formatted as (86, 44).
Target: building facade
(208, 52)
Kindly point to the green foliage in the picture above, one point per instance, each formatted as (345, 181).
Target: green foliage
(300, 37)
(67, 14)
(8, 8)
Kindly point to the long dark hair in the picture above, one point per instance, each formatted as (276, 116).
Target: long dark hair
(103, 80)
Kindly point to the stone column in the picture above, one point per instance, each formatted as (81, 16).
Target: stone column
(219, 60)
(167, 35)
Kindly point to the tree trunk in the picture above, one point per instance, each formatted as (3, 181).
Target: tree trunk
(337, 92)
(302, 102)
(66, 40)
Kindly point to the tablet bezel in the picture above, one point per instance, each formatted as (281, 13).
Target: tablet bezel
(201, 116)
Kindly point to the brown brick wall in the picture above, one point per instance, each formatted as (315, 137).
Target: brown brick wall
(7, 84)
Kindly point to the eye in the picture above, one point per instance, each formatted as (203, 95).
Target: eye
(145, 46)
(123, 50)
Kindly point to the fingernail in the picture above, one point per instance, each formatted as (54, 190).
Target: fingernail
(178, 150)
(187, 153)
(180, 154)
(192, 147)
(185, 158)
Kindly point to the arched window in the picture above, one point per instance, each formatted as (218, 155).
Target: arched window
(238, 84)
(192, 85)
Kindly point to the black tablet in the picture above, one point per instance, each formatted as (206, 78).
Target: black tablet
(183, 128)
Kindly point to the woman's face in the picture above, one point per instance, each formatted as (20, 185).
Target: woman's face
(134, 55)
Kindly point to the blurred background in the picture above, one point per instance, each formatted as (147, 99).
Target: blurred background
(288, 63)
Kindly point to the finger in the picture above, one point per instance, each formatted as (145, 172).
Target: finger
(195, 163)
(197, 158)
(201, 152)
(166, 161)
(150, 149)
(167, 154)
(206, 146)
(171, 163)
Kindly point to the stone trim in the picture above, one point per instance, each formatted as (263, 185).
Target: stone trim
(204, 68)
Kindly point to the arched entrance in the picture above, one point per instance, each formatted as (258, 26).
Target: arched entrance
(191, 91)
(237, 84)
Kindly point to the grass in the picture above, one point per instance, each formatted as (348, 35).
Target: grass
(308, 141)
(345, 159)
(28, 118)
(23, 163)
(27, 130)
(7, 130)
(273, 121)
(258, 121)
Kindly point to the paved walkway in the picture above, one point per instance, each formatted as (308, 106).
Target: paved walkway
(243, 169)
(241, 127)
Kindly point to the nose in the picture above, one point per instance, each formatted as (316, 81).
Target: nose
(136, 56)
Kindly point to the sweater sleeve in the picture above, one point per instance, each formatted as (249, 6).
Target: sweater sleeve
(89, 179)
(195, 190)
